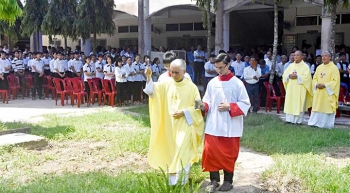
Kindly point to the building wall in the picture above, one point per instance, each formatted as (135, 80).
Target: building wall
(310, 33)
(159, 20)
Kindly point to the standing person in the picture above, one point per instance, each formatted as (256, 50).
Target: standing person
(317, 63)
(168, 57)
(52, 65)
(176, 125)
(238, 66)
(252, 74)
(326, 84)
(139, 79)
(18, 68)
(7, 66)
(99, 67)
(130, 81)
(76, 65)
(190, 56)
(156, 70)
(226, 102)
(4, 63)
(210, 71)
(46, 61)
(60, 66)
(89, 72)
(38, 68)
(298, 85)
(109, 69)
(343, 66)
(265, 73)
(121, 75)
(280, 67)
(198, 65)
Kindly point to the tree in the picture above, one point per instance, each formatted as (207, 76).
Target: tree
(206, 6)
(94, 17)
(10, 11)
(33, 16)
(12, 30)
(59, 19)
(330, 9)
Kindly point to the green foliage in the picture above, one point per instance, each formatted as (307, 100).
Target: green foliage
(33, 16)
(10, 10)
(203, 5)
(94, 17)
(60, 17)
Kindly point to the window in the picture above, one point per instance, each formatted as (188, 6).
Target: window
(345, 18)
(172, 27)
(198, 26)
(186, 26)
(337, 21)
(134, 28)
(305, 21)
(128, 42)
(339, 38)
(123, 29)
(289, 41)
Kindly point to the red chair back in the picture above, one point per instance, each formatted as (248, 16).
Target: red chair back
(281, 87)
(92, 85)
(68, 84)
(57, 82)
(98, 83)
(49, 81)
(29, 80)
(269, 89)
(78, 85)
(108, 86)
(13, 81)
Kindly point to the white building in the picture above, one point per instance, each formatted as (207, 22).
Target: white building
(178, 24)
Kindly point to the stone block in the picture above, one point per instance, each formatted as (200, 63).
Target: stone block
(24, 140)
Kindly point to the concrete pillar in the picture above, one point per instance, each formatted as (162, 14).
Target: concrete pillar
(86, 47)
(219, 27)
(147, 28)
(36, 42)
(325, 29)
(141, 42)
(226, 31)
(40, 46)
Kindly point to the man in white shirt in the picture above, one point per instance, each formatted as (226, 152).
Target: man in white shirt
(18, 68)
(268, 60)
(7, 66)
(199, 59)
(252, 74)
(38, 68)
(52, 65)
(168, 57)
(238, 65)
(60, 66)
(46, 61)
(76, 65)
(3, 64)
(210, 71)
(280, 67)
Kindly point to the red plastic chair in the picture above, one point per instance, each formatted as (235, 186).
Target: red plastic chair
(95, 91)
(29, 83)
(270, 98)
(49, 86)
(14, 85)
(60, 91)
(281, 87)
(4, 96)
(79, 92)
(110, 91)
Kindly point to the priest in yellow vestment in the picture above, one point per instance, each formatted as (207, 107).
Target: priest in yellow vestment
(298, 85)
(326, 86)
(177, 125)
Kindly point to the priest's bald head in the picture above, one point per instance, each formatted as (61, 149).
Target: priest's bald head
(298, 56)
(178, 69)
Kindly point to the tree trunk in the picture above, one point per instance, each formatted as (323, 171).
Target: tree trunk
(208, 27)
(275, 43)
(332, 10)
(65, 43)
(94, 42)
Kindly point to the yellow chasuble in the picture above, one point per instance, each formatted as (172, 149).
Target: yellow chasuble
(326, 100)
(174, 143)
(298, 91)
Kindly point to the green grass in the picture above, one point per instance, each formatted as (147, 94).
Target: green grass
(121, 132)
(298, 152)
(144, 110)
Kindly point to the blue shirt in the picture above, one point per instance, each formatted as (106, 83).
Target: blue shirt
(190, 57)
(231, 69)
(246, 64)
(265, 70)
(286, 66)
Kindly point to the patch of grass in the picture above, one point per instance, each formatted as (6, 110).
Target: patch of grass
(268, 134)
(12, 125)
(150, 182)
(298, 153)
(142, 110)
(311, 171)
